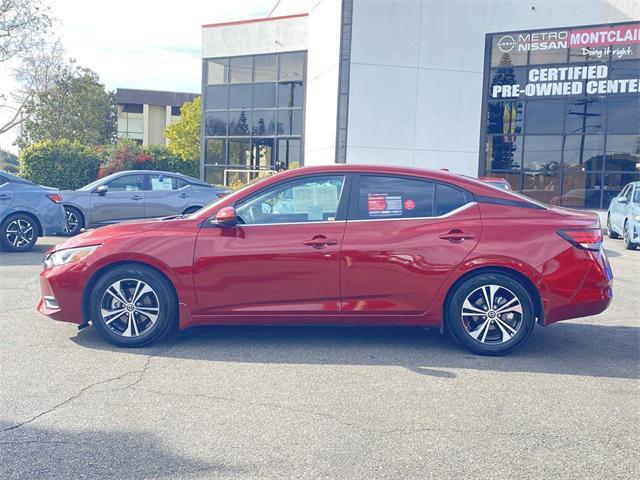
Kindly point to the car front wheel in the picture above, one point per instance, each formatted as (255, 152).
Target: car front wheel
(133, 306)
(490, 314)
(19, 233)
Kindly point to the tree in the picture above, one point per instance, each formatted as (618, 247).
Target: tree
(25, 45)
(8, 161)
(184, 133)
(75, 107)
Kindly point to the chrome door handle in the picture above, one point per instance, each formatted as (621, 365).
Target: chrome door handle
(457, 236)
(136, 197)
(183, 195)
(320, 242)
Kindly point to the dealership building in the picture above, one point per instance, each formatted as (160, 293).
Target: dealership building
(543, 93)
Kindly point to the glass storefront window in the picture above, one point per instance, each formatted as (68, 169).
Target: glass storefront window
(544, 116)
(215, 151)
(581, 189)
(216, 98)
(543, 186)
(569, 116)
(542, 153)
(214, 175)
(504, 152)
(583, 152)
(217, 71)
(264, 95)
(240, 69)
(265, 68)
(215, 124)
(514, 179)
(253, 119)
(291, 66)
(585, 115)
(623, 153)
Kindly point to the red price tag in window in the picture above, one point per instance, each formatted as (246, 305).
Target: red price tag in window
(377, 204)
(409, 204)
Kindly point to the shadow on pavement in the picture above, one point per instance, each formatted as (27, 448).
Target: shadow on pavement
(32, 257)
(562, 349)
(36, 452)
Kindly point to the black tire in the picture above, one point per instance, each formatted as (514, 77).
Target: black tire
(628, 244)
(610, 231)
(191, 210)
(114, 328)
(18, 233)
(507, 287)
(75, 221)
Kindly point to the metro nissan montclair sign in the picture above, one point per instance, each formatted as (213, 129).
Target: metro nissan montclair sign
(573, 61)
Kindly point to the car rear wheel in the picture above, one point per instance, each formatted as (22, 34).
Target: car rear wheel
(490, 314)
(626, 235)
(133, 306)
(75, 222)
(610, 231)
(19, 233)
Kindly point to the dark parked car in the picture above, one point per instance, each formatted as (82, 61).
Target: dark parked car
(27, 211)
(135, 194)
(341, 245)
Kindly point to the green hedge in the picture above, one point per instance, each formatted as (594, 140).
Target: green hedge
(67, 165)
(62, 164)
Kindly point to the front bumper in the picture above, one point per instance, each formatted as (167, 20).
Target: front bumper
(62, 289)
(634, 231)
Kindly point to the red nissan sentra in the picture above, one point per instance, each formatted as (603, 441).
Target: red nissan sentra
(339, 245)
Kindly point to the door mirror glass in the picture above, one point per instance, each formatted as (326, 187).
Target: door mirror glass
(102, 190)
(226, 217)
(622, 200)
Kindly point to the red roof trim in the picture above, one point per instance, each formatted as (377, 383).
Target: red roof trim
(254, 20)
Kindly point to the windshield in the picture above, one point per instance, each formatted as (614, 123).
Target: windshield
(636, 196)
(92, 185)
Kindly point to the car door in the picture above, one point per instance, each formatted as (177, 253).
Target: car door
(282, 259)
(166, 195)
(619, 206)
(123, 200)
(6, 195)
(404, 236)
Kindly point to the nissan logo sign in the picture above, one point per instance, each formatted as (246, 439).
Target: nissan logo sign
(506, 44)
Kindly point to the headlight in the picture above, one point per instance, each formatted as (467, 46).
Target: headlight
(635, 217)
(68, 255)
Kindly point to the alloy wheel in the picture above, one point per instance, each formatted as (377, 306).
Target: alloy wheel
(72, 222)
(19, 233)
(129, 307)
(492, 314)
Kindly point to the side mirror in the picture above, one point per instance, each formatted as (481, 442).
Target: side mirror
(622, 200)
(102, 190)
(226, 217)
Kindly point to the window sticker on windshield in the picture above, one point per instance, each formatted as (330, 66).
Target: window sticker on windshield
(384, 205)
(409, 204)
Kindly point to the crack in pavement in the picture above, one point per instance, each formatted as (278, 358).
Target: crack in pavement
(140, 371)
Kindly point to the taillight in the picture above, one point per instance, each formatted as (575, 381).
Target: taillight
(54, 197)
(587, 239)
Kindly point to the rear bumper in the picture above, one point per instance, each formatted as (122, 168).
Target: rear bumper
(581, 289)
(53, 219)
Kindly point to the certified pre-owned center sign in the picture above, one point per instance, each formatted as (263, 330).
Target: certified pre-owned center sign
(589, 55)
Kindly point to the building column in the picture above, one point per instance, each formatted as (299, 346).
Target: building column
(167, 122)
(145, 125)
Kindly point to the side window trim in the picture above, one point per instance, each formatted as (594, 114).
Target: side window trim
(355, 190)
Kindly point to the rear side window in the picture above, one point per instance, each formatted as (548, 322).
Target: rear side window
(160, 183)
(382, 197)
(448, 199)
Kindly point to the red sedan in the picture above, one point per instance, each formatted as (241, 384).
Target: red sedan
(339, 245)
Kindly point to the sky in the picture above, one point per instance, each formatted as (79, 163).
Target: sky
(146, 44)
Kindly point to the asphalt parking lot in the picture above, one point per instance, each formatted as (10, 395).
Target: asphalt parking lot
(344, 403)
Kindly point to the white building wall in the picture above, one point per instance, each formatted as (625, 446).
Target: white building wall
(322, 82)
(415, 94)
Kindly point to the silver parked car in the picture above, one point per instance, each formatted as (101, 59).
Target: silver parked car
(623, 216)
(27, 211)
(135, 194)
